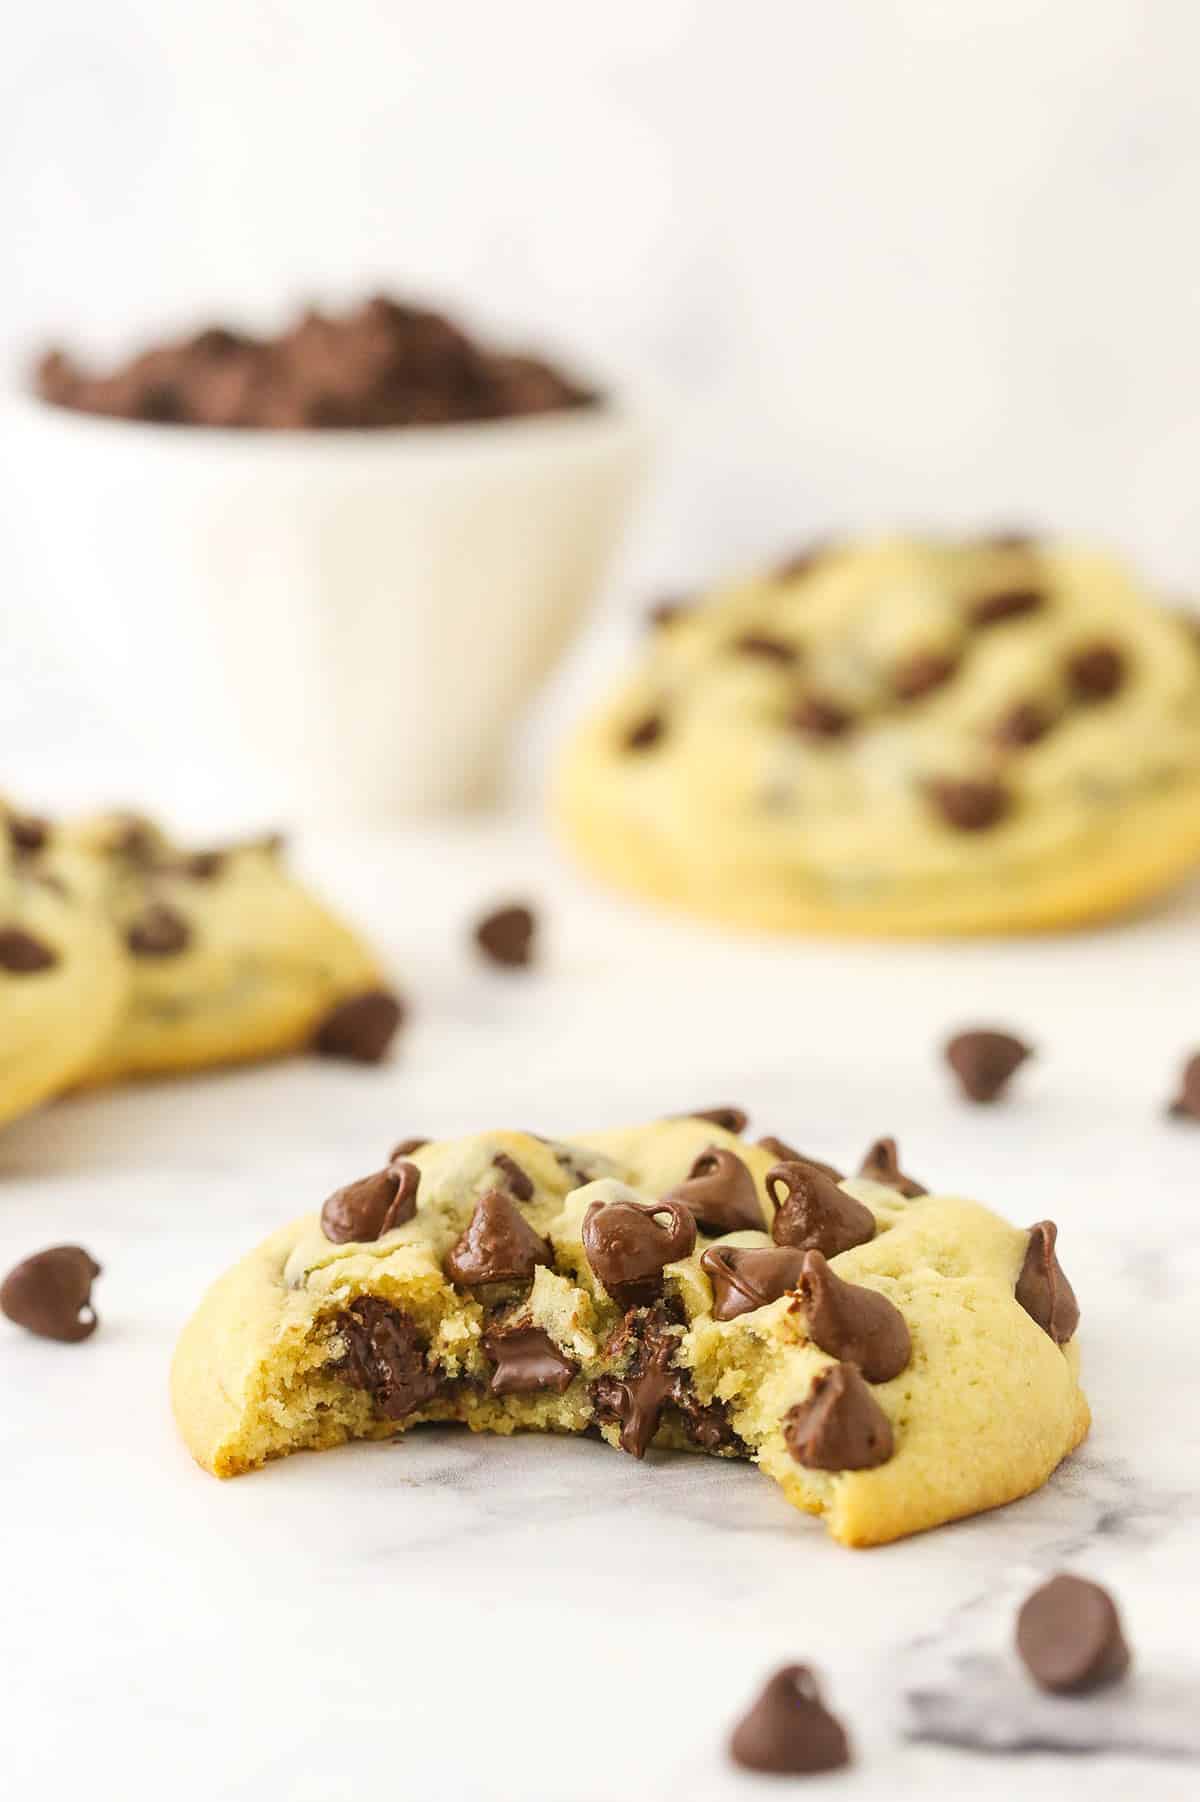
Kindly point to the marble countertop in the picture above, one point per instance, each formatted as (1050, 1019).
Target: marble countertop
(465, 1620)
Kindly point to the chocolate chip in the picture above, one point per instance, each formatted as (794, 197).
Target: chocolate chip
(840, 1425)
(21, 954)
(527, 1361)
(666, 612)
(761, 644)
(818, 717)
(1186, 1105)
(1004, 604)
(519, 1183)
(405, 1149)
(28, 834)
(158, 931)
(853, 1323)
(498, 1245)
(921, 673)
(1096, 672)
(630, 1243)
(814, 1214)
(984, 1060)
(970, 806)
(789, 1731)
(134, 837)
(803, 561)
(645, 733)
(781, 1150)
(719, 1193)
(507, 935)
(374, 1205)
(360, 1028)
(733, 1119)
(1042, 1287)
(203, 866)
(385, 1355)
(882, 1165)
(1069, 1636)
(1025, 723)
(50, 1294)
(745, 1277)
(636, 1401)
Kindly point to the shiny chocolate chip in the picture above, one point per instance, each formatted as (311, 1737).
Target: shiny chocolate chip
(762, 645)
(506, 936)
(386, 1356)
(812, 1213)
(1069, 1636)
(853, 1323)
(517, 1181)
(636, 1401)
(405, 1149)
(1042, 1287)
(1004, 604)
(921, 673)
(839, 1425)
(719, 1193)
(1186, 1105)
(1025, 723)
(361, 1028)
(629, 1244)
(23, 954)
(158, 931)
(789, 1731)
(816, 716)
(1096, 672)
(733, 1119)
(527, 1362)
(645, 733)
(970, 806)
(374, 1205)
(498, 1245)
(984, 1060)
(50, 1294)
(786, 1154)
(882, 1164)
(746, 1277)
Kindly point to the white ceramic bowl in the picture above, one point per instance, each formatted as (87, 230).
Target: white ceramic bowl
(344, 625)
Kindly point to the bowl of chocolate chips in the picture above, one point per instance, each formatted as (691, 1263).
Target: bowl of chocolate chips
(336, 561)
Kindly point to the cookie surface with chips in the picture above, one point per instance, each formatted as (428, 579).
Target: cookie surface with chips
(673, 1286)
(901, 738)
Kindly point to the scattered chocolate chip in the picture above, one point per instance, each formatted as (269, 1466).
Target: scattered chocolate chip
(840, 1425)
(1025, 723)
(970, 806)
(1096, 672)
(21, 954)
(1186, 1105)
(158, 931)
(507, 936)
(984, 1060)
(818, 717)
(814, 1214)
(1069, 1636)
(498, 1245)
(789, 1731)
(630, 1243)
(666, 612)
(1042, 1287)
(405, 1149)
(374, 1205)
(719, 1193)
(28, 834)
(520, 1184)
(853, 1323)
(527, 1361)
(360, 1028)
(882, 1165)
(746, 1277)
(786, 1154)
(733, 1119)
(1005, 604)
(921, 673)
(762, 645)
(646, 733)
(50, 1294)
(636, 1401)
(385, 1355)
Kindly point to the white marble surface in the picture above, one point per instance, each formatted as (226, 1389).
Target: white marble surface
(461, 1620)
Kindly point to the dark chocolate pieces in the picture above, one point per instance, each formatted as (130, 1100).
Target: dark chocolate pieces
(527, 1362)
(984, 1060)
(1186, 1105)
(645, 733)
(1042, 1287)
(762, 645)
(746, 1277)
(1004, 604)
(361, 1028)
(813, 1214)
(1096, 672)
(921, 673)
(970, 806)
(853, 1323)
(839, 1425)
(159, 930)
(636, 1400)
(50, 1294)
(518, 1181)
(385, 1355)
(28, 833)
(23, 954)
(819, 717)
(629, 1244)
(733, 1119)
(1070, 1638)
(789, 1731)
(720, 1194)
(882, 1165)
(787, 1154)
(498, 1245)
(374, 1205)
(506, 936)
(1025, 723)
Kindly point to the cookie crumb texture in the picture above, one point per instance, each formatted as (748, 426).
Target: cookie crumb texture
(484, 1306)
(971, 737)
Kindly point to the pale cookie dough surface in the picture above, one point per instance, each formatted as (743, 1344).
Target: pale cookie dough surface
(62, 976)
(776, 759)
(984, 1409)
